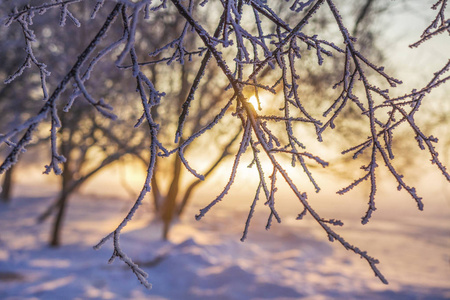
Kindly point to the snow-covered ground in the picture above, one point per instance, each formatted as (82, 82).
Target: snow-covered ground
(206, 260)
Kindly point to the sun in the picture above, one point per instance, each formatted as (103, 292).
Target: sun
(253, 101)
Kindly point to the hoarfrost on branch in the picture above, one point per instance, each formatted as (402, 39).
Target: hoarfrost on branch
(263, 52)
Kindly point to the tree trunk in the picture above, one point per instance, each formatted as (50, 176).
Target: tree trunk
(55, 240)
(5, 194)
(170, 205)
(57, 225)
(155, 190)
(66, 181)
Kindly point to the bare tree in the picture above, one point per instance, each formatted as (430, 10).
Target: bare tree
(87, 142)
(244, 50)
(171, 191)
(19, 105)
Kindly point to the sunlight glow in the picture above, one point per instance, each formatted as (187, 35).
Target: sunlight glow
(253, 101)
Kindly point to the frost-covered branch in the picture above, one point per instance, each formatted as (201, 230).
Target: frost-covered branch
(252, 48)
(33, 123)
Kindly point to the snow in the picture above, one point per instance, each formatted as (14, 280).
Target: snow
(206, 260)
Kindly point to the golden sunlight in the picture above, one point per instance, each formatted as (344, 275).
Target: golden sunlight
(253, 101)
